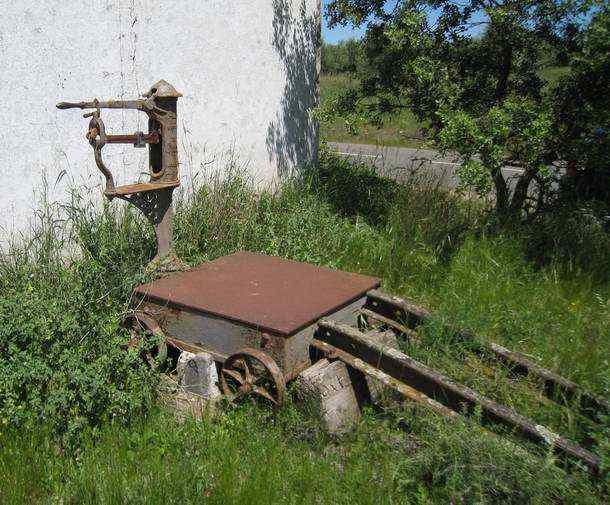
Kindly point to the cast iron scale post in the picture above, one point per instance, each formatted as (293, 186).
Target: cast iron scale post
(153, 198)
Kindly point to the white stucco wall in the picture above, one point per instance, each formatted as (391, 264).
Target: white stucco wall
(247, 69)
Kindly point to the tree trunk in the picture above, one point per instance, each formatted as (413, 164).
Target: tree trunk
(506, 65)
(521, 190)
(502, 196)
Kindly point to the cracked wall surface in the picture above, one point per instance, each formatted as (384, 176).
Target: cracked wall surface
(247, 69)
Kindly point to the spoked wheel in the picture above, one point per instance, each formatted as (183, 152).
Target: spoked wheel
(141, 326)
(253, 373)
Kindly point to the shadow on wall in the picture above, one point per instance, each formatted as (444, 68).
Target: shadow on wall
(292, 137)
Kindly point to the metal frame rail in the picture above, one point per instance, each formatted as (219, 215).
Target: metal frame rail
(418, 382)
(556, 388)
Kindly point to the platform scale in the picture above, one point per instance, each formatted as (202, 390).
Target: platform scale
(254, 314)
(266, 319)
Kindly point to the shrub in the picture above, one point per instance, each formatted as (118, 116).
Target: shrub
(59, 324)
(574, 233)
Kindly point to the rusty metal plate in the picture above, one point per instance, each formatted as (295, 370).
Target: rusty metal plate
(263, 292)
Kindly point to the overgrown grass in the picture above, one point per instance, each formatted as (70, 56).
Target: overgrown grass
(248, 456)
(73, 406)
(399, 129)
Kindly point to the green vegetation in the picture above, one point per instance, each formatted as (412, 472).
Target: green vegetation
(332, 85)
(551, 74)
(484, 96)
(397, 129)
(78, 421)
(343, 57)
(341, 65)
(582, 112)
(246, 456)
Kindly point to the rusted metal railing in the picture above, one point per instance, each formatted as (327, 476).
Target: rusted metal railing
(433, 389)
(556, 387)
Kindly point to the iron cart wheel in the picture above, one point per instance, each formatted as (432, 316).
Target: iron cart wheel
(140, 326)
(253, 373)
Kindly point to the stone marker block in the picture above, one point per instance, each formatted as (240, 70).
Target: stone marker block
(199, 376)
(183, 359)
(326, 388)
(378, 390)
(181, 403)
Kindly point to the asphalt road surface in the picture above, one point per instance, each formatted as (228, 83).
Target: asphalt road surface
(400, 163)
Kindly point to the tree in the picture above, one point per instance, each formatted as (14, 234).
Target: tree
(471, 70)
(581, 105)
(340, 57)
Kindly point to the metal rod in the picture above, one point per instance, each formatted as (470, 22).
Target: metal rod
(109, 104)
(406, 312)
(149, 138)
(405, 390)
(436, 385)
(374, 316)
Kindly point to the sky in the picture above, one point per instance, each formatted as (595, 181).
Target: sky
(340, 33)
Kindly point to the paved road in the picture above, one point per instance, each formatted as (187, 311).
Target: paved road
(402, 162)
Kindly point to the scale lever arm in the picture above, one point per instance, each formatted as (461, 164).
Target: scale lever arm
(138, 139)
(143, 105)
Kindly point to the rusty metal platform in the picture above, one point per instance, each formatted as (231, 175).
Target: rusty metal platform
(264, 292)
